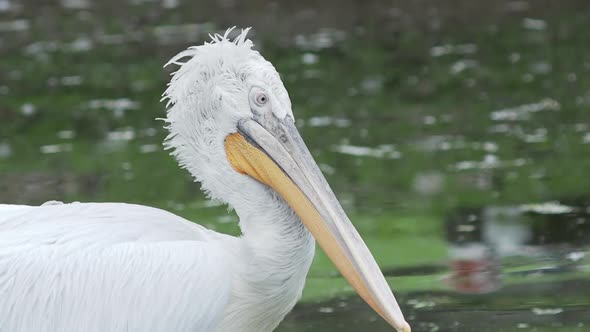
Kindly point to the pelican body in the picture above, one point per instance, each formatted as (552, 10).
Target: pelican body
(124, 267)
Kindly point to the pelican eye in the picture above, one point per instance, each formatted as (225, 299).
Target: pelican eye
(261, 99)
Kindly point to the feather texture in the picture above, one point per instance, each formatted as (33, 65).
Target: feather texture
(123, 267)
(109, 267)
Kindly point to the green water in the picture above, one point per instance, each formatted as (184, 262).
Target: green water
(410, 124)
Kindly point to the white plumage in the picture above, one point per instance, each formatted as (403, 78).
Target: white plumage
(123, 267)
(109, 267)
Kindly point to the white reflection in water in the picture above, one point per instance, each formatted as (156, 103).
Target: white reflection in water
(14, 26)
(522, 112)
(446, 143)
(431, 327)
(572, 77)
(528, 77)
(71, 80)
(327, 121)
(490, 146)
(502, 128)
(309, 58)
(65, 81)
(5, 150)
(80, 44)
(125, 134)
(149, 148)
(75, 4)
(117, 106)
(418, 304)
(534, 24)
(327, 169)
(429, 120)
(539, 136)
(441, 50)
(489, 161)
(28, 109)
(372, 84)
(547, 208)
(5, 5)
(541, 67)
(462, 65)
(547, 311)
(208, 203)
(55, 148)
(428, 183)
(169, 4)
(382, 151)
(505, 230)
(66, 134)
(575, 256)
(126, 166)
(227, 219)
(149, 132)
(514, 57)
(41, 47)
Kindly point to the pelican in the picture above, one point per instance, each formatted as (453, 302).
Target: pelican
(124, 267)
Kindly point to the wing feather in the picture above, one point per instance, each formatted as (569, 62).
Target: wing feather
(109, 267)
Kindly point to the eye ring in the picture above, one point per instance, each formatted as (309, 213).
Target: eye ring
(260, 99)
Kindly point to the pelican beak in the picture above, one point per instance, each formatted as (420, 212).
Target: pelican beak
(272, 151)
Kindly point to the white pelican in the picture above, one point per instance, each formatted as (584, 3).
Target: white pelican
(123, 267)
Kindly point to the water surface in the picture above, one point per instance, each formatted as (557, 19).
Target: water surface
(456, 136)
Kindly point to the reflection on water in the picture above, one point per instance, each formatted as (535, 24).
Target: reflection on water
(550, 234)
(510, 268)
(513, 308)
(456, 135)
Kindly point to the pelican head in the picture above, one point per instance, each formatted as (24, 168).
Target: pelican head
(231, 125)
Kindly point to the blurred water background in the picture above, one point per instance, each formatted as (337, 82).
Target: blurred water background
(455, 133)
